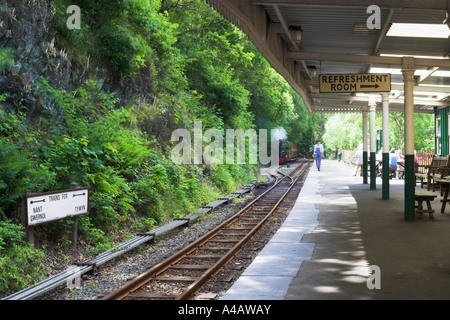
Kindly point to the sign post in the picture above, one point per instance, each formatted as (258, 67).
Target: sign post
(74, 234)
(348, 83)
(56, 205)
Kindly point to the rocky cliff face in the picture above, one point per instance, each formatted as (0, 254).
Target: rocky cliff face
(27, 32)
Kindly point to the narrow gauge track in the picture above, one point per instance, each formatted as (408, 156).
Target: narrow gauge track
(185, 272)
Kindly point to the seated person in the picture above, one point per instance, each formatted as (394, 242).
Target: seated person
(392, 161)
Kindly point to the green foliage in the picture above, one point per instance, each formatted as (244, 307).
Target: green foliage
(123, 52)
(20, 266)
(127, 36)
(424, 134)
(11, 125)
(93, 147)
(212, 76)
(343, 131)
(226, 176)
(230, 77)
(223, 179)
(6, 58)
(99, 146)
(15, 168)
(201, 66)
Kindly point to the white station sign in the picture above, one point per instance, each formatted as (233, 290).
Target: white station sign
(46, 207)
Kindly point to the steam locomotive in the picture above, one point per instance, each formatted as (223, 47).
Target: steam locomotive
(287, 155)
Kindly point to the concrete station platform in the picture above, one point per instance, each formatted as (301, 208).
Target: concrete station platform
(337, 231)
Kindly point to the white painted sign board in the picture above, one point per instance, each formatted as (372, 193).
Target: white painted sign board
(51, 206)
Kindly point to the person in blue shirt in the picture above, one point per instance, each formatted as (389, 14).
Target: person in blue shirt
(392, 161)
(318, 154)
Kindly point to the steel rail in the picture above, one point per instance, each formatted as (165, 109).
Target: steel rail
(194, 287)
(147, 276)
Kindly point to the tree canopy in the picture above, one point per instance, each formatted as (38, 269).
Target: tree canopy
(344, 131)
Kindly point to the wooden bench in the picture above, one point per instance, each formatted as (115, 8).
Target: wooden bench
(433, 171)
(442, 175)
(445, 184)
(420, 198)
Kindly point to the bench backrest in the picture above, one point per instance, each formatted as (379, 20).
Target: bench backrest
(445, 173)
(440, 162)
(436, 162)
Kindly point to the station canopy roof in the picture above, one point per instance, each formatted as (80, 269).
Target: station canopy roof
(337, 38)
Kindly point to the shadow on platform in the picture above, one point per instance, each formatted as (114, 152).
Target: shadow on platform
(357, 230)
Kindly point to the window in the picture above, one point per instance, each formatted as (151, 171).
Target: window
(438, 136)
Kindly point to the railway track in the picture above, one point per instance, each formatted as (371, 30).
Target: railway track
(183, 274)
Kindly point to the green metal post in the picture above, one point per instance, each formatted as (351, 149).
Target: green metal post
(365, 145)
(373, 143)
(373, 173)
(410, 186)
(385, 144)
(365, 167)
(385, 177)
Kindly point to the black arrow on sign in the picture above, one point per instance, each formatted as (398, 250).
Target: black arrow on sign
(80, 194)
(376, 86)
(43, 200)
